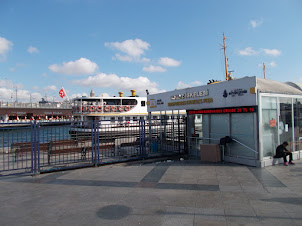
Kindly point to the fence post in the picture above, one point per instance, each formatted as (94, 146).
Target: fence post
(178, 121)
(140, 138)
(37, 147)
(144, 137)
(95, 142)
(150, 131)
(98, 141)
(92, 139)
(32, 131)
(34, 148)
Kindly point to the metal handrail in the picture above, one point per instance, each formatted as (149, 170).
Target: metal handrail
(202, 138)
(244, 145)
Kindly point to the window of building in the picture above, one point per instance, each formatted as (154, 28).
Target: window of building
(269, 126)
(298, 124)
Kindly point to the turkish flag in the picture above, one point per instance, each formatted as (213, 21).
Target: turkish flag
(62, 93)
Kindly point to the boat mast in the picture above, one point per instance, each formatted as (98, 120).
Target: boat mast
(227, 74)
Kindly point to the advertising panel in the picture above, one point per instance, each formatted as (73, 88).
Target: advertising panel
(234, 93)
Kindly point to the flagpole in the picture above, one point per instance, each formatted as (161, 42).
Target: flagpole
(65, 93)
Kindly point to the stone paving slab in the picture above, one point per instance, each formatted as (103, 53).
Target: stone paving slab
(164, 193)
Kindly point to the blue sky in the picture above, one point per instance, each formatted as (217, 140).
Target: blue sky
(159, 45)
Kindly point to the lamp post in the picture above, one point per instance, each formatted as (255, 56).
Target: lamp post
(30, 100)
(16, 94)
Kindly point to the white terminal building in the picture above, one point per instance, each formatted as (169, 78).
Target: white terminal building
(257, 114)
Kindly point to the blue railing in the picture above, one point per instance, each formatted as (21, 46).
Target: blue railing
(37, 147)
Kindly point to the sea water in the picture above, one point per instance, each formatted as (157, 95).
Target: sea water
(29, 133)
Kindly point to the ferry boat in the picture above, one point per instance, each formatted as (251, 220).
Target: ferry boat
(17, 113)
(110, 112)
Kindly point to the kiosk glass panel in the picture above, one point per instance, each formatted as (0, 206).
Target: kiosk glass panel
(219, 127)
(285, 128)
(298, 124)
(242, 130)
(197, 131)
(269, 126)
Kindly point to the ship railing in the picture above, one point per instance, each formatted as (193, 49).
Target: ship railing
(34, 105)
(41, 120)
(104, 108)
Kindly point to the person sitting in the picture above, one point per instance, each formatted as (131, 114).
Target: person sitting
(281, 151)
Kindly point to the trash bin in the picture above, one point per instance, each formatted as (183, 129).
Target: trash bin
(154, 147)
(210, 153)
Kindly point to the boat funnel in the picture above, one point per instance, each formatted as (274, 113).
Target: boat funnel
(133, 92)
(121, 94)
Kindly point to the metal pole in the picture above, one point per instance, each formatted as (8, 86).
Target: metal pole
(144, 137)
(31, 151)
(92, 134)
(98, 140)
(95, 143)
(178, 136)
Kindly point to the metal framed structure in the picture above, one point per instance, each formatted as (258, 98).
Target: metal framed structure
(34, 148)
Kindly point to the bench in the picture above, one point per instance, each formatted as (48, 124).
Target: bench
(25, 147)
(58, 147)
(103, 148)
(52, 148)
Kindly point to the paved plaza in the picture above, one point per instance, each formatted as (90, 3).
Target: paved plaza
(172, 193)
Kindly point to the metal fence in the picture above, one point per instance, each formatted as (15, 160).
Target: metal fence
(40, 147)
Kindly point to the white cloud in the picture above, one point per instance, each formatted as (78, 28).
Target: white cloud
(18, 65)
(248, 51)
(256, 23)
(130, 58)
(44, 75)
(79, 67)
(272, 52)
(50, 88)
(273, 64)
(8, 92)
(32, 49)
(131, 47)
(6, 83)
(169, 62)
(145, 60)
(140, 84)
(9, 95)
(105, 95)
(123, 57)
(153, 68)
(78, 95)
(5, 46)
(182, 85)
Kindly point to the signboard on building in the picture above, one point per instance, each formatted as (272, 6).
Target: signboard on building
(234, 93)
(249, 109)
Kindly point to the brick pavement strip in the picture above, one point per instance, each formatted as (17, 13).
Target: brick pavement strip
(167, 193)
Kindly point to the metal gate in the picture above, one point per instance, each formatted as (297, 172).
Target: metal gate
(37, 147)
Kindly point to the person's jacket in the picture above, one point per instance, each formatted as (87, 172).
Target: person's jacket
(280, 150)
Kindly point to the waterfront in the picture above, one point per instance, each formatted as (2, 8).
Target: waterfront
(19, 133)
(161, 193)
(37, 147)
